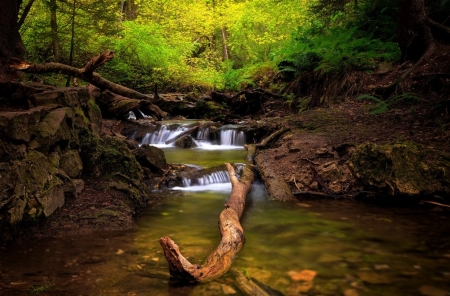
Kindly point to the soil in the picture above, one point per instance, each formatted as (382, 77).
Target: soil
(316, 137)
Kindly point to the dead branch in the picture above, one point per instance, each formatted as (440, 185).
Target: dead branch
(436, 204)
(272, 137)
(220, 260)
(438, 25)
(188, 132)
(86, 73)
(319, 180)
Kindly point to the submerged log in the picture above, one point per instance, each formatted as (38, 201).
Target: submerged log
(87, 74)
(220, 260)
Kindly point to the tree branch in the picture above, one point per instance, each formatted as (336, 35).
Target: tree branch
(86, 73)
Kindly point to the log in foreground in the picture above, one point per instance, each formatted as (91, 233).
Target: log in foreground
(220, 260)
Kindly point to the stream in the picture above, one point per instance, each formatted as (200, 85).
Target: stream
(315, 247)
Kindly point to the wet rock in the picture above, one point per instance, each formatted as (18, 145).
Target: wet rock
(401, 169)
(185, 142)
(371, 277)
(431, 291)
(304, 275)
(151, 157)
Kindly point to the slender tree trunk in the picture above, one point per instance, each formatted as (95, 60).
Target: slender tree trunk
(413, 31)
(54, 28)
(72, 42)
(224, 43)
(24, 15)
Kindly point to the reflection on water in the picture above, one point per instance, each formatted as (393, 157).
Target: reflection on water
(355, 248)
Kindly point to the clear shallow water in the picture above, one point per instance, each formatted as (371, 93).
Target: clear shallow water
(353, 247)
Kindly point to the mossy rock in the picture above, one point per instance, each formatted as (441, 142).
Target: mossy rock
(151, 157)
(402, 169)
(107, 156)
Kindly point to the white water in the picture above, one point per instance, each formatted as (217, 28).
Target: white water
(230, 137)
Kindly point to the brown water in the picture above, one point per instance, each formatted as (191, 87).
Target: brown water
(355, 248)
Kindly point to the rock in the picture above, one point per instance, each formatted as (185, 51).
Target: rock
(52, 130)
(185, 142)
(10, 151)
(277, 188)
(371, 277)
(351, 292)
(431, 291)
(400, 169)
(304, 275)
(328, 258)
(330, 173)
(73, 188)
(20, 125)
(95, 116)
(70, 162)
(151, 157)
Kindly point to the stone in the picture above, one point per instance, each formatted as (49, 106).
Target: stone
(70, 162)
(185, 142)
(371, 277)
(330, 173)
(73, 188)
(400, 169)
(431, 291)
(52, 129)
(151, 157)
(20, 125)
(304, 275)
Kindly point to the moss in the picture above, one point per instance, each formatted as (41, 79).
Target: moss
(400, 169)
(107, 156)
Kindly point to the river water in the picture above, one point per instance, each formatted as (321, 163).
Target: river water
(314, 247)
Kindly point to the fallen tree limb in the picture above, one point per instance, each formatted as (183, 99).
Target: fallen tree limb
(188, 132)
(220, 260)
(271, 137)
(87, 74)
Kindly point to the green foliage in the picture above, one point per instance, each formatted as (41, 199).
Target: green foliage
(45, 287)
(382, 106)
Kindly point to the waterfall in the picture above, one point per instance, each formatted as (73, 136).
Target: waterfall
(203, 134)
(163, 134)
(232, 137)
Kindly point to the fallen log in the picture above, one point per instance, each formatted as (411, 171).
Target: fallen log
(188, 132)
(87, 74)
(220, 260)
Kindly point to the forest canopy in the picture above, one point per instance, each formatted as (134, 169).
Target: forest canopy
(214, 44)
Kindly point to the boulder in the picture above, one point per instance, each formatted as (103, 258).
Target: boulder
(151, 157)
(52, 130)
(402, 169)
(70, 163)
(185, 142)
(20, 125)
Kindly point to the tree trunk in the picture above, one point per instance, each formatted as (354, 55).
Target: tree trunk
(54, 30)
(24, 15)
(413, 31)
(10, 42)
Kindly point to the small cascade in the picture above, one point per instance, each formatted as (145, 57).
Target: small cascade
(203, 134)
(160, 136)
(207, 179)
(232, 137)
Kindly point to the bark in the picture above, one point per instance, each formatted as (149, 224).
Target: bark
(220, 260)
(54, 30)
(87, 74)
(413, 31)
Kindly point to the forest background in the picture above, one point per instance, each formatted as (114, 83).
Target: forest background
(192, 45)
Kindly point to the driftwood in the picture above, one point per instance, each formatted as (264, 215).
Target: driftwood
(220, 260)
(188, 132)
(87, 74)
(247, 285)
